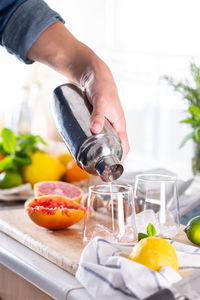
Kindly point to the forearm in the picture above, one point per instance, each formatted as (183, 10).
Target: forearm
(59, 49)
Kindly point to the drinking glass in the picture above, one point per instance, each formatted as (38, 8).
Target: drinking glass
(157, 202)
(110, 213)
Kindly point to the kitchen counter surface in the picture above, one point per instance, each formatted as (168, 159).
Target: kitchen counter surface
(40, 272)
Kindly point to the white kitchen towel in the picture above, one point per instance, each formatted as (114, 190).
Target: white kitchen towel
(106, 274)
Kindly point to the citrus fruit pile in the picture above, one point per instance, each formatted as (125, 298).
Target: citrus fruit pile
(23, 161)
(155, 253)
(45, 167)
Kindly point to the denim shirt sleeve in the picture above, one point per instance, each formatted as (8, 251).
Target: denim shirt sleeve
(22, 22)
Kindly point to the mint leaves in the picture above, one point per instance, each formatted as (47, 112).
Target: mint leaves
(142, 236)
(16, 149)
(9, 141)
(151, 231)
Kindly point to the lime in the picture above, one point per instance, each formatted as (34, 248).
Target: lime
(9, 179)
(193, 230)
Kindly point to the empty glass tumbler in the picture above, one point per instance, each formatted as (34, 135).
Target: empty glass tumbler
(110, 214)
(157, 202)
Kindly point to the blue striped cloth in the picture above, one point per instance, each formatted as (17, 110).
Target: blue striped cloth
(106, 274)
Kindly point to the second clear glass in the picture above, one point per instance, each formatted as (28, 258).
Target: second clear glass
(157, 202)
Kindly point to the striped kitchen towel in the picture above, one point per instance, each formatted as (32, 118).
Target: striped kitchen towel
(107, 274)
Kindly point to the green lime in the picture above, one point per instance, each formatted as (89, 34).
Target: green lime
(9, 179)
(193, 230)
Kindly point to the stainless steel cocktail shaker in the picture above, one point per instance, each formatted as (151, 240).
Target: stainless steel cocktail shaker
(97, 154)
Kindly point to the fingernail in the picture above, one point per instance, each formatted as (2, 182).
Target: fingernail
(96, 127)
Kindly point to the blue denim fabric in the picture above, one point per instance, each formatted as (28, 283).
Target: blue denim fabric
(7, 8)
(22, 22)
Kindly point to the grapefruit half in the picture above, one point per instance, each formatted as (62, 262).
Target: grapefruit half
(54, 212)
(70, 191)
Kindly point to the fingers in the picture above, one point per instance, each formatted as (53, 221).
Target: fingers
(120, 128)
(97, 120)
(125, 144)
(104, 109)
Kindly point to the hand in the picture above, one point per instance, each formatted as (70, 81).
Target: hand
(59, 49)
(102, 93)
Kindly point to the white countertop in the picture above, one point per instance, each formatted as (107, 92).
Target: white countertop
(45, 275)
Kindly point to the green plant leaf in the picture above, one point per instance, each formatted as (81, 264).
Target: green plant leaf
(195, 71)
(5, 162)
(189, 121)
(189, 136)
(151, 231)
(195, 111)
(8, 140)
(197, 134)
(142, 236)
(22, 160)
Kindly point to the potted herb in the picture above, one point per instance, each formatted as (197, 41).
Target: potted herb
(191, 93)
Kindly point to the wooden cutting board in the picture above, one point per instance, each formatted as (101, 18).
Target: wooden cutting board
(62, 247)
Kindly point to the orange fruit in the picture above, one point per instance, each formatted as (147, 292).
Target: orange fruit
(54, 212)
(74, 173)
(60, 188)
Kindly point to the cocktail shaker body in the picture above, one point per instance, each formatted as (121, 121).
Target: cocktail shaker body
(97, 154)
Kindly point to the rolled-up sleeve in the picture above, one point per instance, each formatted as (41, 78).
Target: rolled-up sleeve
(25, 25)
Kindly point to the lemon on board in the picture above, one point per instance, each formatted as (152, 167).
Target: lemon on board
(9, 179)
(44, 167)
(193, 230)
(154, 253)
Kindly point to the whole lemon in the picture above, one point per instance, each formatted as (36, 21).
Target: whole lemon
(44, 167)
(193, 230)
(154, 253)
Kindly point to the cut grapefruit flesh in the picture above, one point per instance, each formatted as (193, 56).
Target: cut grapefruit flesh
(54, 212)
(59, 188)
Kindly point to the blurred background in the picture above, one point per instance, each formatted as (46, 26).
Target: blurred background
(141, 41)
